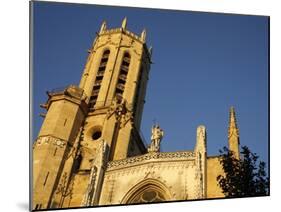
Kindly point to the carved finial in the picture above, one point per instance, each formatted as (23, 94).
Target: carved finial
(103, 27)
(150, 51)
(143, 35)
(124, 23)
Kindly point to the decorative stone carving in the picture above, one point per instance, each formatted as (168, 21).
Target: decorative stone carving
(156, 137)
(122, 111)
(65, 188)
(102, 153)
(41, 141)
(97, 166)
(126, 118)
(46, 140)
(149, 156)
(88, 197)
(111, 190)
(59, 143)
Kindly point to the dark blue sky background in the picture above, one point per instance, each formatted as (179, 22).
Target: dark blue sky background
(203, 64)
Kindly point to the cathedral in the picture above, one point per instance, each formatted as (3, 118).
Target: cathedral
(90, 151)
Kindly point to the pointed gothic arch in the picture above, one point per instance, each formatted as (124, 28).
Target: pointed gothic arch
(99, 77)
(148, 190)
(123, 73)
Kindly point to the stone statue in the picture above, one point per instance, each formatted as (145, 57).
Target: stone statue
(156, 136)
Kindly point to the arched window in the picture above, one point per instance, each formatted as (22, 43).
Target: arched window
(149, 195)
(149, 190)
(122, 75)
(99, 77)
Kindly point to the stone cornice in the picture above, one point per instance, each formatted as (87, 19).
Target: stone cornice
(72, 94)
(151, 157)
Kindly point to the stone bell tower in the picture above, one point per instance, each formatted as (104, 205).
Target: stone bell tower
(98, 121)
(115, 79)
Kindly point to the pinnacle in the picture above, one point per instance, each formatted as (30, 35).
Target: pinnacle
(232, 121)
(124, 23)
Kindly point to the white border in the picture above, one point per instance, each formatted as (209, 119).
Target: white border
(15, 91)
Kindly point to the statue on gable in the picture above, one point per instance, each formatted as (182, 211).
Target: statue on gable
(156, 136)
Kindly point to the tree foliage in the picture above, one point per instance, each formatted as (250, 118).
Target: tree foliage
(245, 177)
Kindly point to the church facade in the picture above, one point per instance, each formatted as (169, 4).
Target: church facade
(89, 150)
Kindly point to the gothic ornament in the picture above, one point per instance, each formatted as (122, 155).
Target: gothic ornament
(59, 143)
(122, 111)
(156, 137)
(88, 197)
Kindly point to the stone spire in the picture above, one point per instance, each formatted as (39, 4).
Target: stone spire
(233, 134)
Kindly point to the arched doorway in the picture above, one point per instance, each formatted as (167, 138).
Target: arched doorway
(149, 190)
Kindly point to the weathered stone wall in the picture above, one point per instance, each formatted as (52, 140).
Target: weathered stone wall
(174, 170)
(214, 169)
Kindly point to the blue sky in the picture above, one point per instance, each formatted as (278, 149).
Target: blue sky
(203, 63)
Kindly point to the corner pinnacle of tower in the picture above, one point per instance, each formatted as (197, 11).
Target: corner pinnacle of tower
(103, 26)
(143, 35)
(124, 23)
